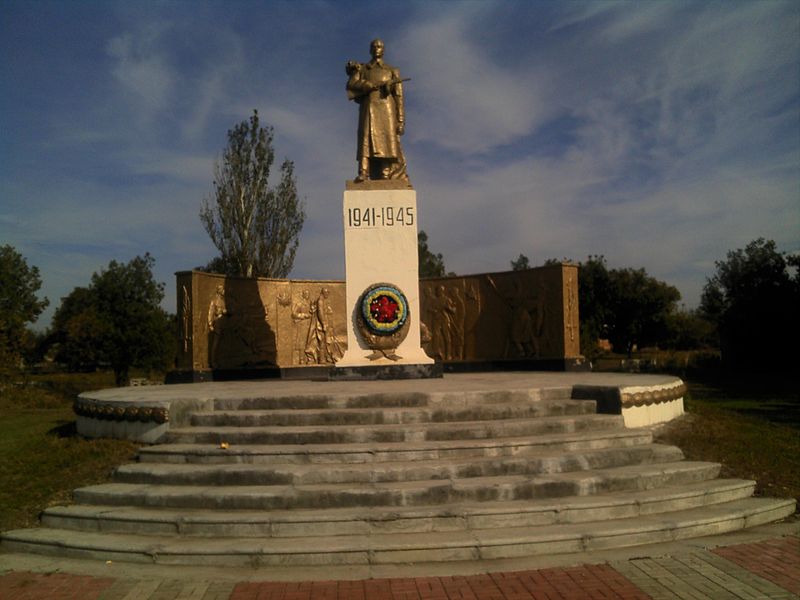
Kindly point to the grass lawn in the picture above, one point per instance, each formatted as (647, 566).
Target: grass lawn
(42, 459)
(749, 424)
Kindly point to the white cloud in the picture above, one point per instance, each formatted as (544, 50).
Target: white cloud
(465, 102)
(140, 67)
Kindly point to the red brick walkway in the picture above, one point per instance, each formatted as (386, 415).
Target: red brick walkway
(51, 586)
(777, 561)
(579, 583)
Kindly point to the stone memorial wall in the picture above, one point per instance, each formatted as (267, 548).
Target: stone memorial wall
(514, 318)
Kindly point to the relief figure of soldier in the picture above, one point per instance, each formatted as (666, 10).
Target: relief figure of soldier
(217, 310)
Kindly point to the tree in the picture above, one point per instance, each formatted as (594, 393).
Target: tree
(521, 263)
(640, 307)
(752, 298)
(430, 264)
(594, 302)
(19, 304)
(254, 226)
(627, 306)
(78, 333)
(689, 330)
(116, 320)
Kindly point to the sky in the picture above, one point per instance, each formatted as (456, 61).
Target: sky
(658, 134)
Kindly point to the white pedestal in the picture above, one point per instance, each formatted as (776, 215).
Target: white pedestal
(380, 245)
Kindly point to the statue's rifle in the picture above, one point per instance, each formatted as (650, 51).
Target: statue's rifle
(394, 81)
(384, 85)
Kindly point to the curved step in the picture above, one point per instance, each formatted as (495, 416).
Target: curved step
(392, 415)
(395, 398)
(395, 451)
(402, 547)
(400, 493)
(352, 521)
(348, 434)
(292, 474)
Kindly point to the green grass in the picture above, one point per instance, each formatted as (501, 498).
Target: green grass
(749, 424)
(42, 459)
(767, 397)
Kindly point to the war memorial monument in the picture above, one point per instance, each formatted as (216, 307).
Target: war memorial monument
(315, 427)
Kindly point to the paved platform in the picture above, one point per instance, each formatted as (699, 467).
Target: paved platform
(763, 562)
(146, 413)
(451, 382)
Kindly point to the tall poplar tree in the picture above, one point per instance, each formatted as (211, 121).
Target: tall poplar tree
(254, 226)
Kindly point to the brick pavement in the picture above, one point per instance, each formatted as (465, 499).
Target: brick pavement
(775, 560)
(51, 586)
(768, 569)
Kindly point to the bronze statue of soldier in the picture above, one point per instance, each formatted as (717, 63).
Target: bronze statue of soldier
(378, 90)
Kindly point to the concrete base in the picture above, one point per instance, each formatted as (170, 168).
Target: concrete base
(321, 372)
(642, 416)
(148, 433)
(380, 239)
(118, 412)
(383, 372)
(639, 406)
(572, 365)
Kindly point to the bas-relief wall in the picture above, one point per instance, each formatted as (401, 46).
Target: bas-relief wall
(239, 323)
(508, 315)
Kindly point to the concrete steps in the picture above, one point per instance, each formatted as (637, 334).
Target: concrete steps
(369, 520)
(388, 415)
(393, 547)
(398, 493)
(293, 474)
(350, 434)
(360, 399)
(396, 451)
(370, 478)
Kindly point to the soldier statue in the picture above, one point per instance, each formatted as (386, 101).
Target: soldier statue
(378, 90)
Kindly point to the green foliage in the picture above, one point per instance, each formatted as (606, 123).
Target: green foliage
(752, 299)
(594, 303)
(430, 264)
(254, 227)
(641, 307)
(77, 328)
(19, 305)
(688, 330)
(117, 320)
(521, 263)
(627, 306)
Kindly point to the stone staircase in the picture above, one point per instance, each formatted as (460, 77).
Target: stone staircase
(378, 478)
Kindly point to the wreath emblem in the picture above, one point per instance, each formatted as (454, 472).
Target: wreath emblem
(384, 309)
(383, 319)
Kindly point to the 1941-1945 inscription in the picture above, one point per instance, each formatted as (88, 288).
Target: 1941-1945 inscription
(381, 216)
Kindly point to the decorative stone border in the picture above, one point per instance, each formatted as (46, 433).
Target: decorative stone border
(652, 396)
(639, 405)
(131, 413)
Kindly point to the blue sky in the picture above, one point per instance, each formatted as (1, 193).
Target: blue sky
(659, 134)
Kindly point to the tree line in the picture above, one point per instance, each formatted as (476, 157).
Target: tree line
(748, 308)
